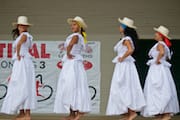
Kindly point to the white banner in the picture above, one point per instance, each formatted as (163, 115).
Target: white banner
(48, 55)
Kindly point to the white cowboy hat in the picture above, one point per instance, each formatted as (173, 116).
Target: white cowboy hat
(79, 20)
(22, 20)
(127, 21)
(163, 30)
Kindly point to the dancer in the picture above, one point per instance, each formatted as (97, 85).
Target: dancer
(72, 91)
(21, 94)
(160, 91)
(126, 96)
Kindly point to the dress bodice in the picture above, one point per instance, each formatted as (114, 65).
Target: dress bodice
(121, 49)
(153, 54)
(77, 48)
(24, 50)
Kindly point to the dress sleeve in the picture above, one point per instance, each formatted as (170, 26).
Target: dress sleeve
(169, 53)
(129, 39)
(81, 40)
(29, 37)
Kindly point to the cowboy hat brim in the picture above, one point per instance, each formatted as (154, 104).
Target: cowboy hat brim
(131, 26)
(15, 23)
(83, 25)
(157, 30)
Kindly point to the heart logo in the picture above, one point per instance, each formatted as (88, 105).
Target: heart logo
(87, 65)
(46, 88)
(93, 91)
(39, 85)
(60, 64)
(3, 88)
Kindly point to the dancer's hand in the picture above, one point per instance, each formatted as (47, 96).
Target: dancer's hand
(70, 56)
(158, 62)
(120, 59)
(19, 57)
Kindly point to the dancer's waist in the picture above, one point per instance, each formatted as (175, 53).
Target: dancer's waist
(75, 57)
(162, 61)
(127, 59)
(23, 55)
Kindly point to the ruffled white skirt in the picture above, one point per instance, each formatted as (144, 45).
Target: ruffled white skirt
(126, 91)
(72, 90)
(160, 91)
(21, 92)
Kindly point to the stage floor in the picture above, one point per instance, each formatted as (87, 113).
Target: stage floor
(88, 117)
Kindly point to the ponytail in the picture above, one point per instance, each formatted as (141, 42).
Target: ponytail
(83, 33)
(166, 40)
(131, 32)
(15, 33)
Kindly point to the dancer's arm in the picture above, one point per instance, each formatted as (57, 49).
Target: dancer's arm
(160, 48)
(128, 52)
(21, 41)
(69, 48)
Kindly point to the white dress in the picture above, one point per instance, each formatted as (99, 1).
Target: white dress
(160, 91)
(126, 91)
(21, 92)
(72, 90)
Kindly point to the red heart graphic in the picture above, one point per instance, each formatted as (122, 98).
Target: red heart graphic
(87, 65)
(60, 64)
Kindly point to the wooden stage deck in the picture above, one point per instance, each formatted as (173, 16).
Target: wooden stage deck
(88, 117)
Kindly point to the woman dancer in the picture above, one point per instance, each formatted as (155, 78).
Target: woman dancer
(21, 94)
(72, 90)
(160, 91)
(126, 96)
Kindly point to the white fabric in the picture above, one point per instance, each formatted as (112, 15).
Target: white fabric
(160, 91)
(21, 92)
(72, 90)
(24, 51)
(77, 48)
(121, 50)
(126, 91)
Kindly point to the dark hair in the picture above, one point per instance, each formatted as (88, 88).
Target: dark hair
(15, 33)
(131, 32)
(82, 30)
